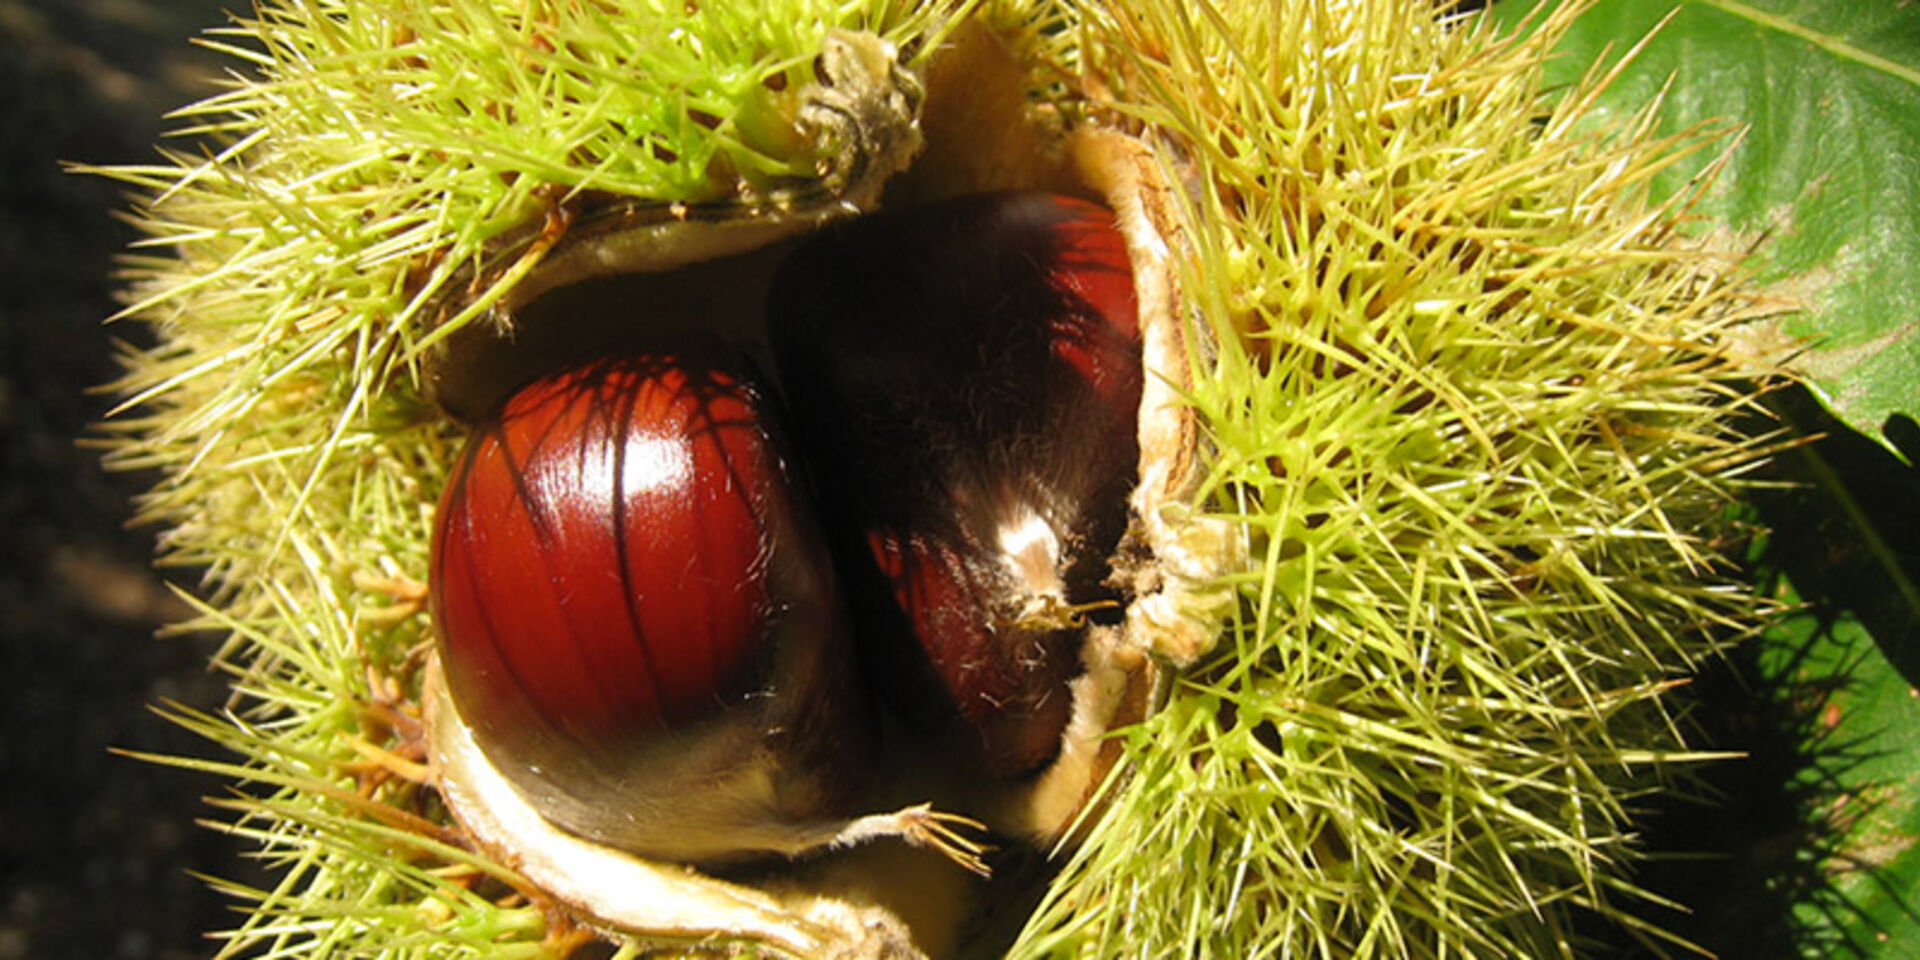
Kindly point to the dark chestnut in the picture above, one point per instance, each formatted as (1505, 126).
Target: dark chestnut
(638, 619)
(964, 377)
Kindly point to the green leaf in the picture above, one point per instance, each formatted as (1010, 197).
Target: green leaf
(1828, 172)
(1841, 536)
(1806, 847)
(1867, 817)
(1810, 843)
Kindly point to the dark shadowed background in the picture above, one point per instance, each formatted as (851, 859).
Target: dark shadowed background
(95, 849)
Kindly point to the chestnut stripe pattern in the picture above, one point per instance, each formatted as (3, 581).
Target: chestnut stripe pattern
(640, 618)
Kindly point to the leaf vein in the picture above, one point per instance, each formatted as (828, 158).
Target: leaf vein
(1831, 44)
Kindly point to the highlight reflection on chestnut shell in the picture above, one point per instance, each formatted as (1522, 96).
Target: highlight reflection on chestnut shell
(964, 379)
(636, 614)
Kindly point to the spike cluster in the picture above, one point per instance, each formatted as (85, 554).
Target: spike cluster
(1472, 401)
(1467, 397)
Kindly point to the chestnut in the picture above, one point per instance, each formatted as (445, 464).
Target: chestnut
(964, 376)
(638, 623)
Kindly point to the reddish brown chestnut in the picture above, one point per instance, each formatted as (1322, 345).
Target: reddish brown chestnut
(638, 621)
(965, 378)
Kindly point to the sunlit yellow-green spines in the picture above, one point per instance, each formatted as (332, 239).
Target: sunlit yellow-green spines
(1470, 407)
(380, 154)
(367, 169)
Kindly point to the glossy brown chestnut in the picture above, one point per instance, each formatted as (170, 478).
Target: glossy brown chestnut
(638, 619)
(965, 377)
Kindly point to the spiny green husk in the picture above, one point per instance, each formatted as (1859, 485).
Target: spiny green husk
(1469, 404)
